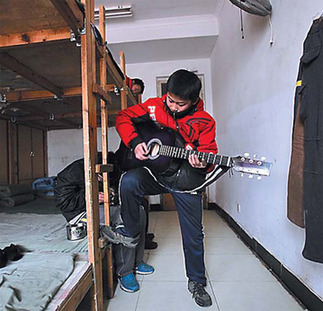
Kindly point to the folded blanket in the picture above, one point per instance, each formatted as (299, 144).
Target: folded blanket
(16, 200)
(12, 190)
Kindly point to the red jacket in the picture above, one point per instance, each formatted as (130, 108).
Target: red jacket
(196, 126)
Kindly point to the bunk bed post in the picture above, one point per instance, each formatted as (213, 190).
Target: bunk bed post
(124, 89)
(104, 142)
(139, 98)
(89, 114)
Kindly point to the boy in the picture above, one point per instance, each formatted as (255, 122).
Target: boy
(181, 110)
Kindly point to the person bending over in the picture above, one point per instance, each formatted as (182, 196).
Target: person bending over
(182, 111)
(70, 199)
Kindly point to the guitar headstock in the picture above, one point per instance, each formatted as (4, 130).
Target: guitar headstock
(252, 166)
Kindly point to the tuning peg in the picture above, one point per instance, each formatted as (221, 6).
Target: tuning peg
(259, 178)
(250, 176)
(263, 159)
(241, 174)
(255, 156)
(246, 154)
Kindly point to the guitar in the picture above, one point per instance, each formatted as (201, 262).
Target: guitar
(167, 152)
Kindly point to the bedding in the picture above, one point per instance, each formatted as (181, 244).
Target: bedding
(31, 282)
(38, 233)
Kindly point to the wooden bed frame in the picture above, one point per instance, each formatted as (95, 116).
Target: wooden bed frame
(55, 75)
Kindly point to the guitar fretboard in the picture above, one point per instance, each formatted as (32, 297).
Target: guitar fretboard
(181, 153)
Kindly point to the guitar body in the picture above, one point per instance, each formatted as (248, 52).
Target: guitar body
(153, 136)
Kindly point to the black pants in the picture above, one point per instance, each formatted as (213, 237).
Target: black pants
(136, 183)
(312, 115)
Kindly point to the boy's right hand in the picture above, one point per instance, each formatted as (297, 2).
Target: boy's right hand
(141, 151)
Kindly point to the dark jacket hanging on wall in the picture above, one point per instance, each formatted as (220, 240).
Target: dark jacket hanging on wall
(311, 113)
(295, 197)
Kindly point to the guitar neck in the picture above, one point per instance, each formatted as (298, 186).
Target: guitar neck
(181, 153)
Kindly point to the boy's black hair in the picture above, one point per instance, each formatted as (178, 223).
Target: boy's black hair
(184, 84)
(139, 82)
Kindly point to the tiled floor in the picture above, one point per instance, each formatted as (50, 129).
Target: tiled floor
(237, 280)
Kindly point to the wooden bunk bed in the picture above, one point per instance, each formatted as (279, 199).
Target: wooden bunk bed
(54, 74)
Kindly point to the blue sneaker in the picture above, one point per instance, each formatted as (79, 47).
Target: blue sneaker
(129, 284)
(144, 269)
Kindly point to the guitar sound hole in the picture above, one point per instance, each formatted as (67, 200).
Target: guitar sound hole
(154, 150)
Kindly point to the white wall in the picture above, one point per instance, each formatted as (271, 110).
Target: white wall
(253, 88)
(66, 146)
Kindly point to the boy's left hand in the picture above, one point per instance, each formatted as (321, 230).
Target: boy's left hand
(195, 162)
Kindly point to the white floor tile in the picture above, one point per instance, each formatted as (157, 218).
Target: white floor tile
(254, 296)
(218, 231)
(123, 300)
(165, 231)
(168, 245)
(230, 268)
(238, 279)
(167, 268)
(225, 245)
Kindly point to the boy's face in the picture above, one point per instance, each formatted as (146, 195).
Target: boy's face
(136, 89)
(176, 104)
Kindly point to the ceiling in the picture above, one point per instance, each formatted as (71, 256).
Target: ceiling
(146, 13)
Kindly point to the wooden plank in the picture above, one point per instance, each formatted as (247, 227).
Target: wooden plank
(26, 15)
(139, 98)
(57, 116)
(114, 72)
(70, 13)
(43, 113)
(78, 292)
(103, 168)
(14, 65)
(88, 65)
(104, 139)
(101, 93)
(124, 86)
(110, 87)
(23, 96)
(32, 37)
